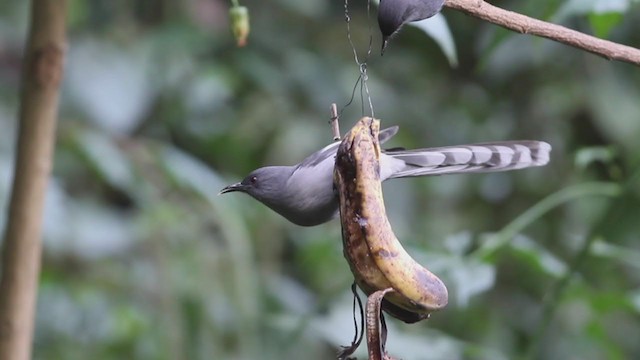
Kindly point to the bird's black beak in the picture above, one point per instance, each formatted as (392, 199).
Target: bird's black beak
(232, 188)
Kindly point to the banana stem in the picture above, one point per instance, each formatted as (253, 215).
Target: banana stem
(376, 328)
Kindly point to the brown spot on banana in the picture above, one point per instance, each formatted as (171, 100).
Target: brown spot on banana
(376, 257)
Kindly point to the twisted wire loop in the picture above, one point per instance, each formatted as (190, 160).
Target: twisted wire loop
(363, 77)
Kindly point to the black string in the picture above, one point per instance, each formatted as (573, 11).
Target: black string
(357, 339)
(353, 94)
(383, 332)
(359, 334)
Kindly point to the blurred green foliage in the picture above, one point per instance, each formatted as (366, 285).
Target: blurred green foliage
(160, 110)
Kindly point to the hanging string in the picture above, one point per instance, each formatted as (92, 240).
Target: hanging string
(359, 331)
(362, 65)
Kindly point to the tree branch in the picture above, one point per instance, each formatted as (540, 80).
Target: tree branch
(41, 76)
(526, 25)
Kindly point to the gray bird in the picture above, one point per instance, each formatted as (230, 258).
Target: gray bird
(304, 193)
(392, 14)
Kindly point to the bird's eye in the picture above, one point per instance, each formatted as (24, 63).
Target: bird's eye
(254, 179)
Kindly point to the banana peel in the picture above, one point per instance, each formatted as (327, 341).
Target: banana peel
(376, 257)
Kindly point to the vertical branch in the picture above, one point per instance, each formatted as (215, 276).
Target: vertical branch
(334, 121)
(41, 75)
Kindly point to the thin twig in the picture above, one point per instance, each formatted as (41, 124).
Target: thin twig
(335, 124)
(527, 25)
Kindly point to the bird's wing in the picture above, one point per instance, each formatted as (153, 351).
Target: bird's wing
(331, 149)
(320, 155)
(485, 157)
(387, 134)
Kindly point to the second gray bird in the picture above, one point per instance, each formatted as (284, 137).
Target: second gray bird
(304, 193)
(393, 14)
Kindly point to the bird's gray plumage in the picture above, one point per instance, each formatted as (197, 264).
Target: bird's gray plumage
(304, 193)
(393, 14)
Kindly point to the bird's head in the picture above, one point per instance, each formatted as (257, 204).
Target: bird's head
(264, 184)
(392, 14)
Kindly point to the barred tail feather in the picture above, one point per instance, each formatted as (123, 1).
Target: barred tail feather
(474, 158)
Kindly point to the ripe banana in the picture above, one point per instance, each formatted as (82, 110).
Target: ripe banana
(376, 258)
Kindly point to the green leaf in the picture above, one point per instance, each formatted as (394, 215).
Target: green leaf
(602, 24)
(107, 159)
(438, 29)
(588, 7)
(619, 253)
(584, 157)
(539, 256)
